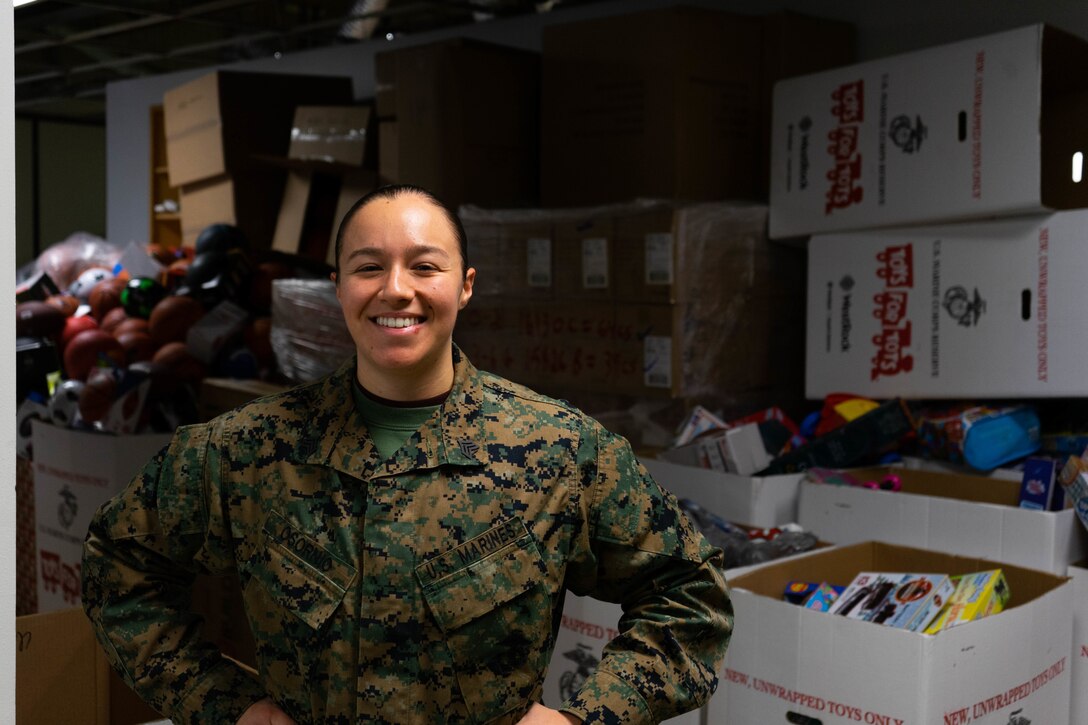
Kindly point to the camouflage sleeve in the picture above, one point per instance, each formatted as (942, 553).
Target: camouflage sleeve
(677, 614)
(142, 552)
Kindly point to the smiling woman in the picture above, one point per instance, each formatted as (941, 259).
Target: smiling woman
(405, 531)
(401, 281)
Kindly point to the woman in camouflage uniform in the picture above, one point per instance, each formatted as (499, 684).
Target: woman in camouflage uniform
(405, 531)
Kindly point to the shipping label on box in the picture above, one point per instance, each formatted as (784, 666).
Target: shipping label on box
(75, 472)
(983, 310)
(859, 146)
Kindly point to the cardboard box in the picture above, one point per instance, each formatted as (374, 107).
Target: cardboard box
(314, 202)
(1079, 657)
(75, 472)
(982, 310)
(731, 289)
(466, 121)
(61, 675)
(670, 103)
(788, 664)
(961, 514)
(218, 395)
(216, 123)
(994, 134)
(761, 501)
(332, 134)
(217, 129)
(739, 449)
(586, 627)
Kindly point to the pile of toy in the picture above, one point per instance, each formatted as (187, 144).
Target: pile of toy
(118, 340)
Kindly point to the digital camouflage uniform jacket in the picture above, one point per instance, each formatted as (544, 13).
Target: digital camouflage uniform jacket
(426, 588)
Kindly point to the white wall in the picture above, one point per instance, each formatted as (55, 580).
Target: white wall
(884, 27)
(7, 361)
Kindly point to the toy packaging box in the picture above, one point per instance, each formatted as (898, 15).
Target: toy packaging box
(948, 133)
(787, 664)
(906, 601)
(977, 595)
(967, 311)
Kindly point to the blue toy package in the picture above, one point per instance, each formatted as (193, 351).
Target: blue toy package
(980, 437)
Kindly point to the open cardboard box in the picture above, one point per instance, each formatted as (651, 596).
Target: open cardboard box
(787, 664)
(1078, 709)
(760, 501)
(963, 514)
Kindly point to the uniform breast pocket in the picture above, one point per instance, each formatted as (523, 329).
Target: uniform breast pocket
(489, 597)
(299, 586)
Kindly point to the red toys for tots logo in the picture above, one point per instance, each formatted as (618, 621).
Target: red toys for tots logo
(896, 268)
(848, 106)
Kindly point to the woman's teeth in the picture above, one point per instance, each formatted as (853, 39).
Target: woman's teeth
(398, 321)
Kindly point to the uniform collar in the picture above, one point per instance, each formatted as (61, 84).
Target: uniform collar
(337, 437)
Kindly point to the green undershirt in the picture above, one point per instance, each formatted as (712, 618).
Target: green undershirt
(390, 426)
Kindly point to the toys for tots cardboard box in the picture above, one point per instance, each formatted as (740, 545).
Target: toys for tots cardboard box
(586, 627)
(981, 127)
(1079, 658)
(75, 472)
(980, 310)
(790, 664)
(955, 513)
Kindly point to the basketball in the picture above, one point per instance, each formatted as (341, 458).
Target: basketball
(137, 345)
(75, 325)
(88, 349)
(171, 319)
(105, 296)
(179, 362)
(97, 395)
(112, 319)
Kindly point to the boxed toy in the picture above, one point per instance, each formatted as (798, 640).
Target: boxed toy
(982, 127)
(790, 664)
(906, 601)
(977, 595)
(981, 310)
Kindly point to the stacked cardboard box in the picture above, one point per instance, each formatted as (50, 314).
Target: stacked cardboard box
(329, 166)
(460, 118)
(644, 299)
(217, 128)
(928, 311)
(670, 103)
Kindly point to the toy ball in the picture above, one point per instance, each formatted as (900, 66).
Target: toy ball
(65, 303)
(105, 296)
(171, 319)
(97, 395)
(137, 345)
(75, 325)
(38, 319)
(140, 296)
(180, 363)
(83, 285)
(131, 324)
(89, 349)
(220, 238)
(64, 405)
(113, 319)
(205, 267)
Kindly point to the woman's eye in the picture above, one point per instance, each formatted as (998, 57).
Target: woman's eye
(367, 268)
(426, 267)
